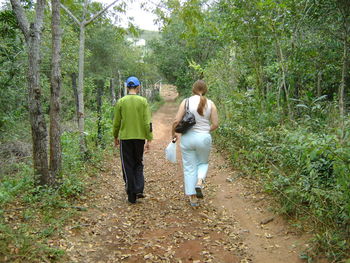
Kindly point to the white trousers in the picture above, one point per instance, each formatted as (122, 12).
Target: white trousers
(195, 149)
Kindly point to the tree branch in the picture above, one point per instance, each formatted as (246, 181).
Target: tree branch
(99, 13)
(40, 8)
(21, 18)
(304, 15)
(70, 14)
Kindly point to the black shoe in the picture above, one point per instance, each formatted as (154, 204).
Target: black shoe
(140, 195)
(132, 198)
(199, 192)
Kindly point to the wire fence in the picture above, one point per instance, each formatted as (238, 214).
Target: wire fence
(149, 91)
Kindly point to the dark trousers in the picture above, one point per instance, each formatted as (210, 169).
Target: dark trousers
(131, 155)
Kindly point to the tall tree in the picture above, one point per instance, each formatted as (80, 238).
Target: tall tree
(80, 89)
(32, 32)
(55, 104)
(46, 171)
(344, 10)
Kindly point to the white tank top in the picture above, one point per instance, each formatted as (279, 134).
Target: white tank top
(202, 122)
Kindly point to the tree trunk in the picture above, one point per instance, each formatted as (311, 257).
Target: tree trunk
(100, 84)
(32, 34)
(319, 81)
(80, 91)
(342, 87)
(296, 80)
(37, 118)
(75, 91)
(258, 68)
(343, 78)
(55, 104)
(112, 89)
(120, 85)
(143, 89)
(284, 83)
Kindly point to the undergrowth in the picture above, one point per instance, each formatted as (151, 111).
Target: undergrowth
(32, 215)
(303, 164)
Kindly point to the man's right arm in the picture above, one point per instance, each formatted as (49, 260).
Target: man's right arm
(116, 120)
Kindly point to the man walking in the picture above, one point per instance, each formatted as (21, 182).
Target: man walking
(132, 130)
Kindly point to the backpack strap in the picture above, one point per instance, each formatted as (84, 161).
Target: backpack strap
(186, 105)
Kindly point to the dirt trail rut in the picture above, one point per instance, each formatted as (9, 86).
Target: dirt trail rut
(163, 227)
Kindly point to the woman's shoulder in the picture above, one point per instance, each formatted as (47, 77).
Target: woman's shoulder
(194, 98)
(210, 101)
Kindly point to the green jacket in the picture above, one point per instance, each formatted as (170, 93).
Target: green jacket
(132, 119)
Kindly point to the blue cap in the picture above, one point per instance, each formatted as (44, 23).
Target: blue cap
(132, 82)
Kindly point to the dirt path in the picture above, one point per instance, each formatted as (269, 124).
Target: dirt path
(163, 227)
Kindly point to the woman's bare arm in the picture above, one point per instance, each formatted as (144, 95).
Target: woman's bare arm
(214, 119)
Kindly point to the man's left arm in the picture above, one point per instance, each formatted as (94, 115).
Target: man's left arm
(148, 122)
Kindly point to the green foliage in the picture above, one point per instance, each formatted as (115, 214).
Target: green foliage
(335, 244)
(71, 158)
(12, 74)
(307, 172)
(105, 45)
(13, 186)
(106, 123)
(186, 40)
(157, 103)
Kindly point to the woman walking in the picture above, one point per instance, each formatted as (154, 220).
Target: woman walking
(196, 143)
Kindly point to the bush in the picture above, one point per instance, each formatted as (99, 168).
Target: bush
(303, 163)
